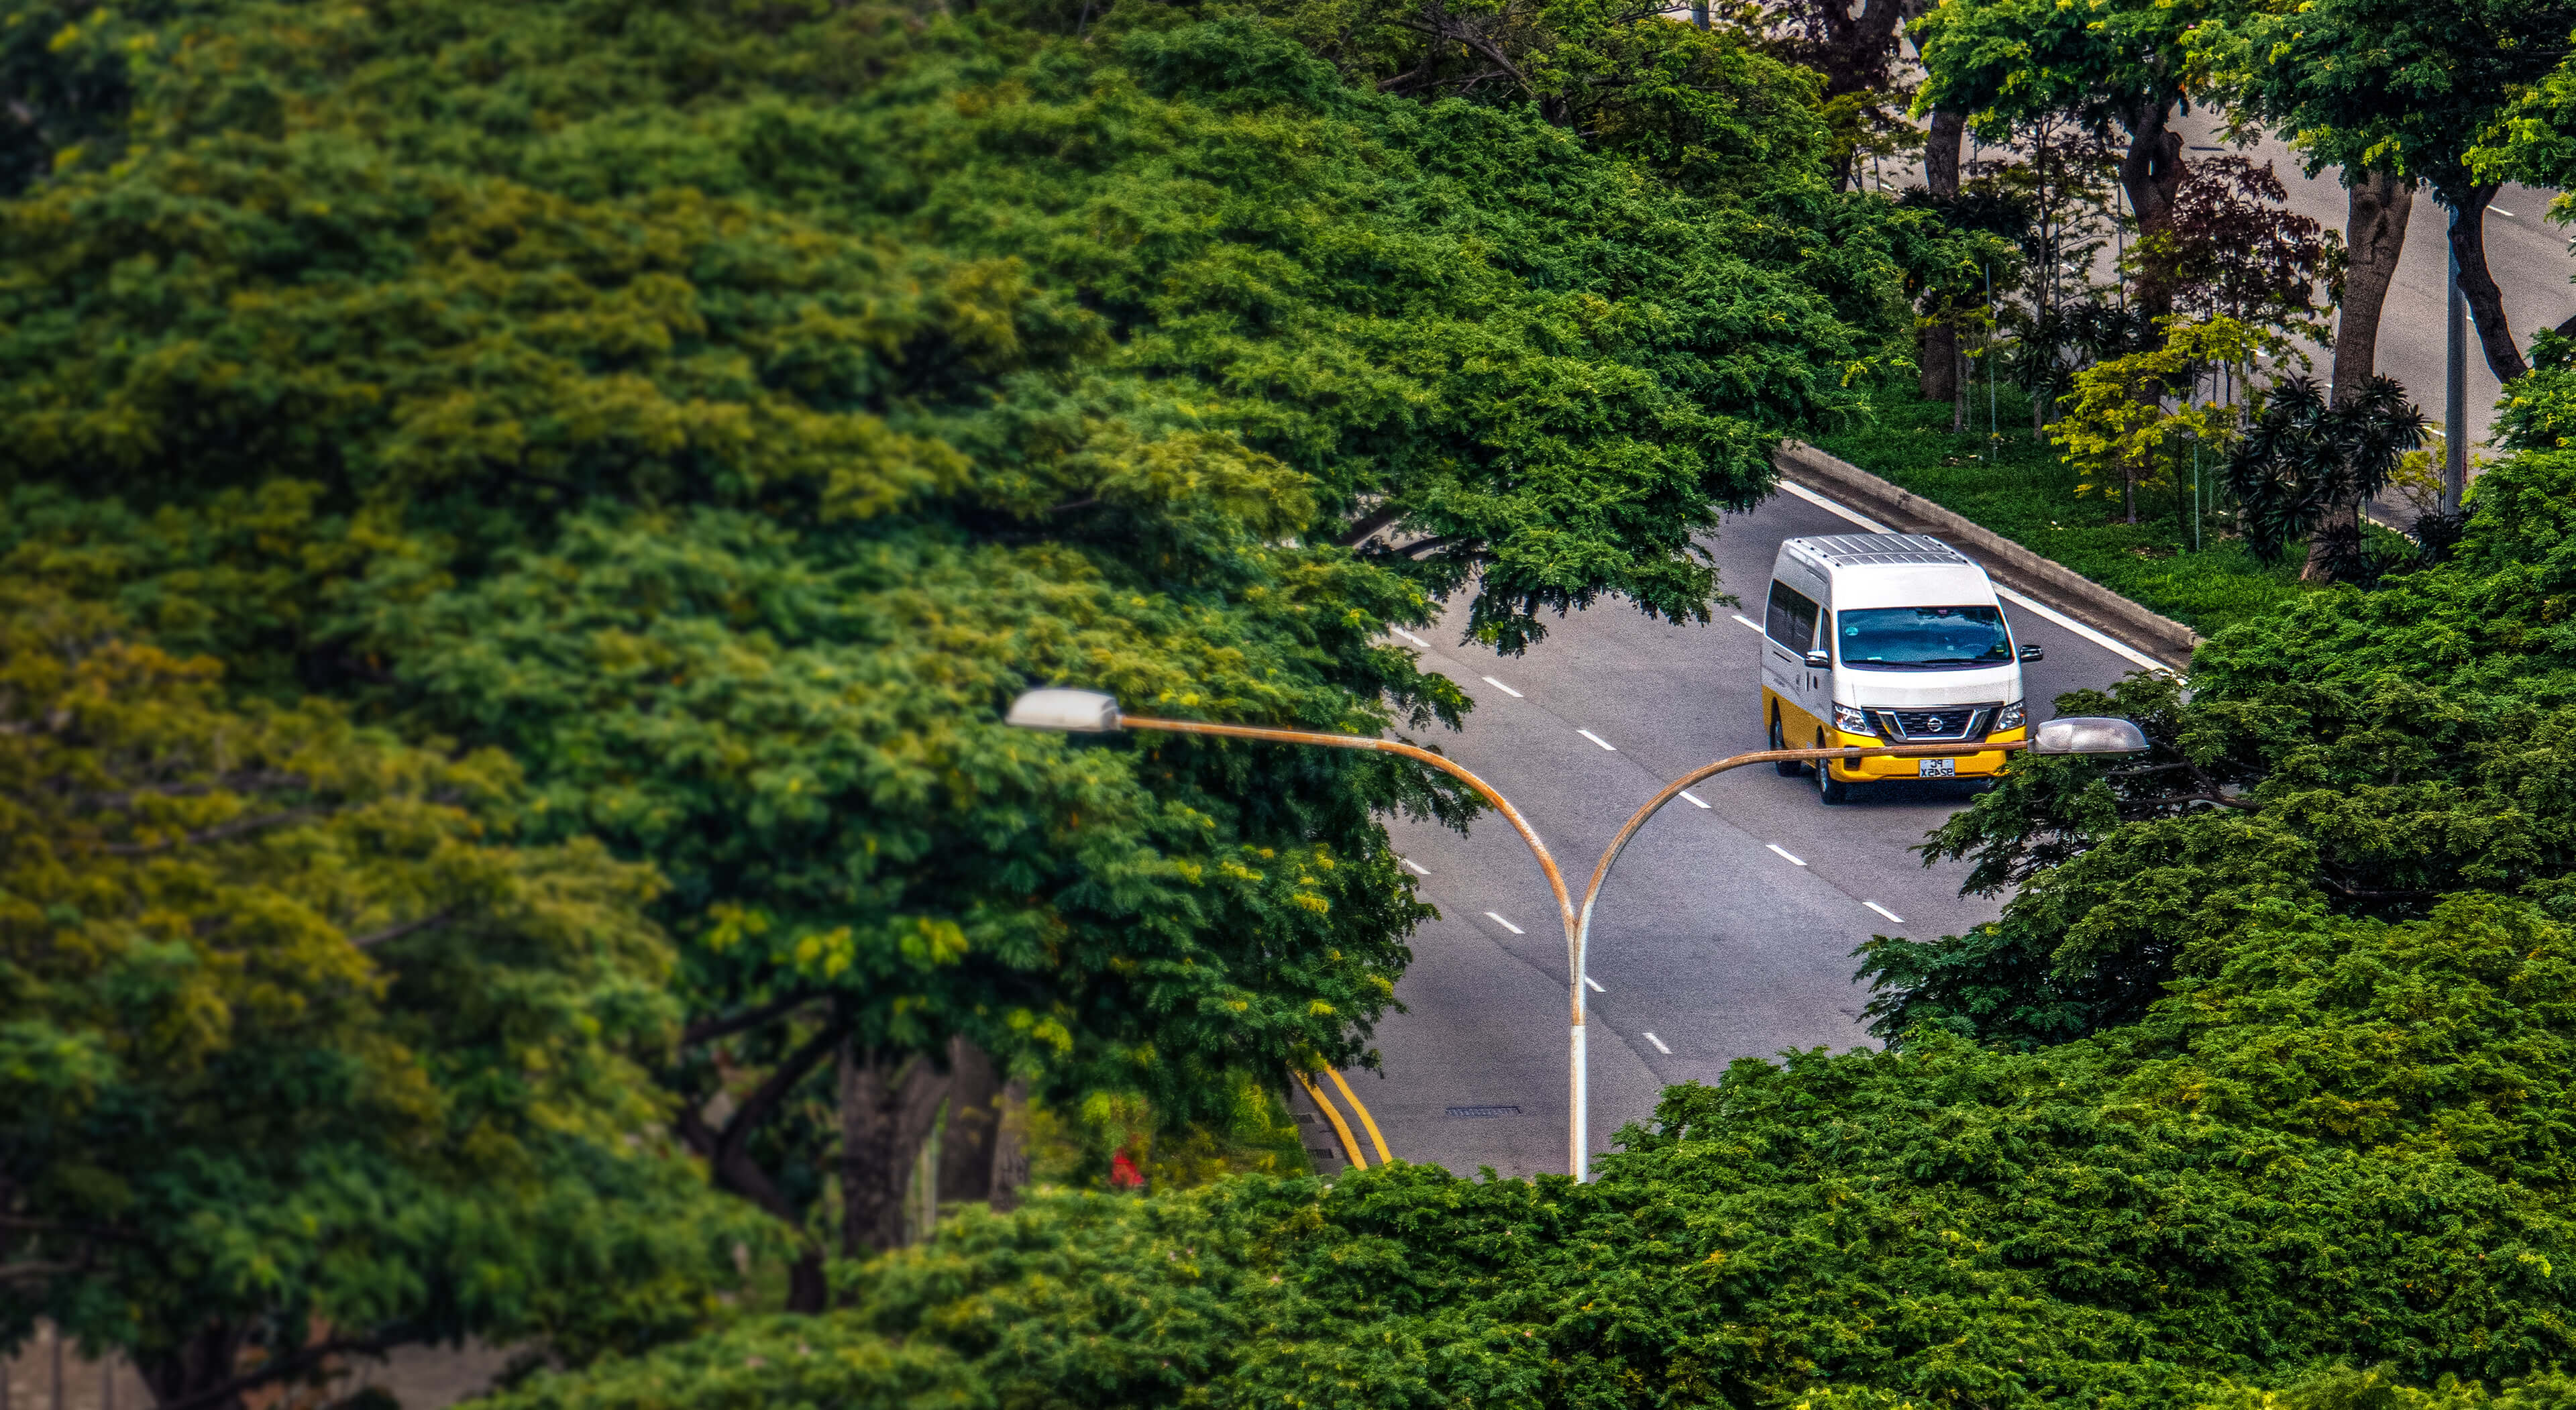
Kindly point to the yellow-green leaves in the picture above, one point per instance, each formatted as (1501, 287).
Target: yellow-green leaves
(2129, 422)
(264, 972)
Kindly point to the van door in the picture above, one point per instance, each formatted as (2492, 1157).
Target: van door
(1789, 632)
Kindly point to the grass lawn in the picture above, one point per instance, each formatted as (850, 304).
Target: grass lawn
(2023, 492)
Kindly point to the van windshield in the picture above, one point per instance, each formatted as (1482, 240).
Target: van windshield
(1923, 638)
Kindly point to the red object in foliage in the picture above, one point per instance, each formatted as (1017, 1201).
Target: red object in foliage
(1123, 1174)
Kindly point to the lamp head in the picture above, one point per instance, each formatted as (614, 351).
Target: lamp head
(2089, 734)
(1070, 711)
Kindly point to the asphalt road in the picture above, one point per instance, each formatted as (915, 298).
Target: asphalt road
(1709, 944)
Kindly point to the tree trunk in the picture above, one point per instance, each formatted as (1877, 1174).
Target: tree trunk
(1937, 346)
(889, 1102)
(2478, 287)
(808, 1290)
(1011, 1146)
(2376, 207)
(2151, 173)
(727, 1151)
(2374, 235)
(196, 1367)
(974, 1134)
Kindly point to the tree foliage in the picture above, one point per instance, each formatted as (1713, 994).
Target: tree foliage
(2338, 1144)
(2118, 429)
(725, 415)
(293, 1034)
(2375, 751)
(2302, 457)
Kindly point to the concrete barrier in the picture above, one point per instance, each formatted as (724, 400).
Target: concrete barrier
(2016, 567)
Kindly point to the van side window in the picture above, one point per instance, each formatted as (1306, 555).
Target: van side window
(1792, 618)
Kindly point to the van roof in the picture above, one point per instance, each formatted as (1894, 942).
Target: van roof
(1878, 550)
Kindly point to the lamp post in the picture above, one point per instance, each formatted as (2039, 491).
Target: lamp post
(1088, 712)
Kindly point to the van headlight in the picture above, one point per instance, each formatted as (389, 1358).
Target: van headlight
(2011, 716)
(1851, 720)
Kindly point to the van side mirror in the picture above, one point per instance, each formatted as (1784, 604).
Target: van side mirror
(1820, 660)
(2032, 653)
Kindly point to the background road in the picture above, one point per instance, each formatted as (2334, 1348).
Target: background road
(1708, 944)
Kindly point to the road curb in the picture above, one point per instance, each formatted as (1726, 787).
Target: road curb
(2044, 580)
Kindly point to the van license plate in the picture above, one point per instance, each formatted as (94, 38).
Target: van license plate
(1936, 768)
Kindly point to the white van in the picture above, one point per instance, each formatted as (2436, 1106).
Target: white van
(1887, 639)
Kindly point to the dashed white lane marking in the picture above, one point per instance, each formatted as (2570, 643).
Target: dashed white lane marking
(1606, 744)
(1882, 910)
(1418, 869)
(1498, 685)
(1507, 925)
(1594, 985)
(1694, 802)
(2498, 210)
(1408, 636)
(1757, 626)
(1659, 1045)
(1783, 851)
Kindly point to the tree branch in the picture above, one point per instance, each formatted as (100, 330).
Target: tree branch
(409, 927)
(710, 1029)
(246, 781)
(765, 1098)
(236, 828)
(1368, 525)
(1419, 547)
(282, 1367)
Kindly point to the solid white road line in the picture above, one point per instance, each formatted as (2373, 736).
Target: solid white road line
(2007, 594)
(2072, 625)
(2498, 210)
(1882, 910)
(1594, 985)
(1498, 685)
(1606, 744)
(1659, 1045)
(1854, 515)
(1408, 636)
(1783, 851)
(1757, 626)
(1694, 801)
(1507, 925)
(1417, 866)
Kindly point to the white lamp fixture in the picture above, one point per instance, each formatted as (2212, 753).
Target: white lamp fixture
(1070, 711)
(2089, 734)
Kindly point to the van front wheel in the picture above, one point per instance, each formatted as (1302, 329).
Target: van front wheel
(1829, 790)
(1789, 768)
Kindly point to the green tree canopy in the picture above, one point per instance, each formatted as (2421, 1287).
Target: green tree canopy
(2106, 64)
(727, 418)
(2339, 1144)
(2373, 750)
(293, 1037)
(2402, 87)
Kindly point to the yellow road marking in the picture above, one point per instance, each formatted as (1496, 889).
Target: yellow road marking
(1365, 1119)
(1341, 1128)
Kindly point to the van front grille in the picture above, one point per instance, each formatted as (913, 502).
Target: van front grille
(1948, 722)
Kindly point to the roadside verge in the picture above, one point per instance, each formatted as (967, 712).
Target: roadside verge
(2050, 585)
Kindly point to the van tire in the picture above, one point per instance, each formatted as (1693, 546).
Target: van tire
(1789, 768)
(1829, 789)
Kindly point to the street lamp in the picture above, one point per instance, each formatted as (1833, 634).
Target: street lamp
(1089, 712)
